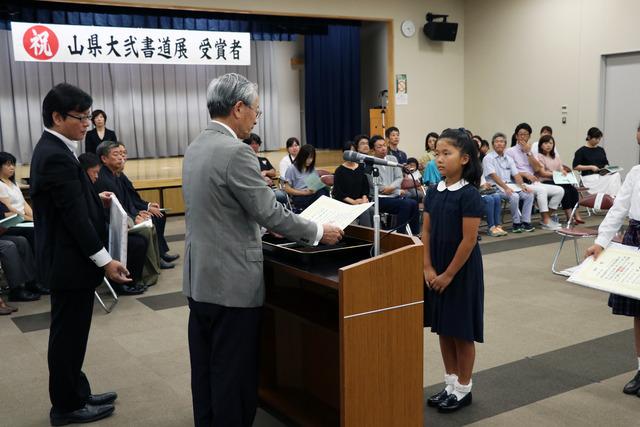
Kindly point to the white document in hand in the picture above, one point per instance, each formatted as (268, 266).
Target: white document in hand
(326, 210)
(117, 231)
(617, 270)
(560, 178)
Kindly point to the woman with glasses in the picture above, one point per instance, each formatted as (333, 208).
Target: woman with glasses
(98, 134)
(591, 160)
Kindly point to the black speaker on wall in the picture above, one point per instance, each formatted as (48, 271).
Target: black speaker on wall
(440, 31)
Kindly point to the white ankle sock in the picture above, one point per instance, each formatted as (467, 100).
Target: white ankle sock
(460, 390)
(449, 381)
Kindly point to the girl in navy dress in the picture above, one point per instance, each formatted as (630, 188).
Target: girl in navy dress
(453, 265)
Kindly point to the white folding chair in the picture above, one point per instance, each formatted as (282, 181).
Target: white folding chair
(113, 293)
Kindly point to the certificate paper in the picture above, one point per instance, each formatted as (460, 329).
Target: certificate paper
(117, 231)
(617, 270)
(560, 178)
(326, 210)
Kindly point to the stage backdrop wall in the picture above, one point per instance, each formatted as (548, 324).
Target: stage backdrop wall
(154, 109)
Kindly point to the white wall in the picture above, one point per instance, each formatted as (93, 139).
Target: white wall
(289, 89)
(435, 71)
(524, 59)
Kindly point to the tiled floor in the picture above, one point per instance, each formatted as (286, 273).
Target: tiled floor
(553, 353)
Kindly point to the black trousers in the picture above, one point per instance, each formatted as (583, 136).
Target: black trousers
(224, 345)
(71, 313)
(159, 223)
(16, 257)
(136, 255)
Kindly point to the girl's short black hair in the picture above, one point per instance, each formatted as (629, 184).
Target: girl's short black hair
(253, 137)
(460, 139)
(306, 151)
(547, 138)
(8, 158)
(291, 141)
(594, 133)
(97, 113)
(357, 138)
(546, 128)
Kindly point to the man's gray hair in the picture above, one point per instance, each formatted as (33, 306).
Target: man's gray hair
(225, 91)
(105, 147)
(498, 135)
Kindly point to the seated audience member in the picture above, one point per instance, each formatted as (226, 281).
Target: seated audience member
(391, 195)
(12, 198)
(392, 135)
(549, 162)
(431, 176)
(112, 178)
(19, 266)
(137, 245)
(99, 133)
(484, 149)
(492, 207)
(350, 185)
(589, 160)
(429, 148)
(301, 171)
(411, 170)
(500, 170)
(293, 148)
(362, 144)
(267, 170)
(545, 130)
(6, 309)
(547, 196)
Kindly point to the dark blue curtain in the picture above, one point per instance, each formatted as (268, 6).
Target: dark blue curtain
(260, 27)
(332, 86)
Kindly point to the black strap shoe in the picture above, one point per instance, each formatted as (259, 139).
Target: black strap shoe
(452, 404)
(86, 414)
(102, 399)
(21, 294)
(633, 386)
(437, 398)
(169, 257)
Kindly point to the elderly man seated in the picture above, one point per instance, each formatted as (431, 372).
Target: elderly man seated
(112, 178)
(391, 196)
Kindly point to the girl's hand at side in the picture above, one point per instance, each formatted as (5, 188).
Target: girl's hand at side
(429, 275)
(440, 283)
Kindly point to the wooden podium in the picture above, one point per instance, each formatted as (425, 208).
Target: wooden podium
(342, 339)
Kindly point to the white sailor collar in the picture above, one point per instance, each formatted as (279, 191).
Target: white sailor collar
(453, 187)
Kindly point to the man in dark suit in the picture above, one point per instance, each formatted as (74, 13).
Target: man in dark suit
(112, 178)
(226, 202)
(70, 235)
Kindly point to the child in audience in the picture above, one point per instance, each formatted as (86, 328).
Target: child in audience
(297, 178)
(411, 170)
(453, 265)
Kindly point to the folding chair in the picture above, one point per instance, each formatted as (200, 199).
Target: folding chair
(113, 293)
(328, 181)
(594, 201)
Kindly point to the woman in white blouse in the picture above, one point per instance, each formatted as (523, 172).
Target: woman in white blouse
(10, 193)
(293, 147)
(627, 203)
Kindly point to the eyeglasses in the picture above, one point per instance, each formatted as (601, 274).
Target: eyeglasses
(523, 134)
(257, 110)
(81, 118)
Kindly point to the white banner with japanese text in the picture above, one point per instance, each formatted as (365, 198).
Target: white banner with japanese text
(121, 45)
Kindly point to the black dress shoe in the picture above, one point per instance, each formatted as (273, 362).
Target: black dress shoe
(37, 288)
(168, 257)
(86, 414)
(633, 386)
(437, 398)
(127, 289)
(102, 399)
(164, 265)
(21, 294)
(452, 404)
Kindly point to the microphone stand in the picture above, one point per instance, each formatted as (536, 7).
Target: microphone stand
(375, 173)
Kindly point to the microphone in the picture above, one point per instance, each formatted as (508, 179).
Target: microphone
(353, 156)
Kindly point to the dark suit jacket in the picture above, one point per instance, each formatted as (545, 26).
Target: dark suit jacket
(92, 140)
(70, 225)
(120, 185)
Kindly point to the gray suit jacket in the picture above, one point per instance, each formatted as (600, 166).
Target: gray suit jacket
(226, 201)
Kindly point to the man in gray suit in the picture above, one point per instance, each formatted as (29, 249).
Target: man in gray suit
(226, 202)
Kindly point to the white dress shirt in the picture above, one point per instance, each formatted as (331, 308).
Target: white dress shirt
(627, 203)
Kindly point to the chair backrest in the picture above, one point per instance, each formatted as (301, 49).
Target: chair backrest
(600, 201)
(322, 172)
(327, 180)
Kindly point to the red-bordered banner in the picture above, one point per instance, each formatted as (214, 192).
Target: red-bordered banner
(82, 43)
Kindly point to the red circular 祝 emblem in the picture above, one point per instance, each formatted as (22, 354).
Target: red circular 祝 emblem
(40, 42)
